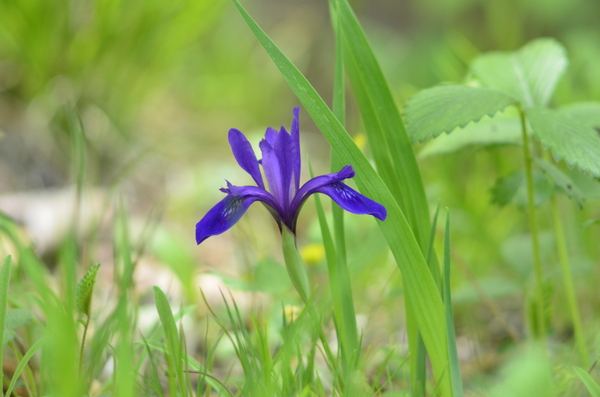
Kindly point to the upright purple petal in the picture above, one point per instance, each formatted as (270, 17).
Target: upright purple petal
(346, 197)
(243, 153)
(270, 163)
(228, 211)
(283, 150)
(295, 152)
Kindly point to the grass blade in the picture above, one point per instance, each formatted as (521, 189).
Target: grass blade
(588, 381)
(420, 287)
(456, 380)
(4, 282)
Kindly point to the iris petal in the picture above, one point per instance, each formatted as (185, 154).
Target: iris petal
(244, 154)
(228, 211)
(295, 152)
(346, 197)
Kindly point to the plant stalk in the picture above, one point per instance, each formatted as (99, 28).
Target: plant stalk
(565, 266)
(535, 242)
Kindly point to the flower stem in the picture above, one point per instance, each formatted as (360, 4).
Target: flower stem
(563, 256)
(537, 261)
(81, 349)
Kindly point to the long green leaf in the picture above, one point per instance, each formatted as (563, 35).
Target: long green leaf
(529, 75)
(588, 381)
(444, 108)
(418, 281)
(4, 282)
(567, 138)
(457, 388)
(172, 337)
(26, 357)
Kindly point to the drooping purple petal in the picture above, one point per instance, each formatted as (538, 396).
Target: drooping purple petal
(352, 201)
(245, 156)
(228, 211)
(346, 197)
(295, 152)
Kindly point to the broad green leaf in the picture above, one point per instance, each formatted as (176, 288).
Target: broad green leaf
(587, 113)
(529, 74)
(567, 138)
(588, 381)
(444, 108)
(420, 288)
(513, 189)
(85, 287)
(500, 130)
(16, 318)
(561, 180)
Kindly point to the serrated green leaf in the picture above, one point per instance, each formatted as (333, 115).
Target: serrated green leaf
(498, 131)
(444, 108)
(589, 382)
(561, 180)
(16, 318)
(85, 287)
(587, 113)
(567, 138)
(529, 74)
(513, 189)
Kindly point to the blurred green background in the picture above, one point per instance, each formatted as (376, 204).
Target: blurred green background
(156, 85)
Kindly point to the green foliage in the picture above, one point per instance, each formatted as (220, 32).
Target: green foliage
(567, 138)
(528, 75)
(513, 189)
(562, 181)
(15, 318)
(500, 131)
(421, 291)
(586, 113)
(441, 109)
(85, 288)
(590, 384)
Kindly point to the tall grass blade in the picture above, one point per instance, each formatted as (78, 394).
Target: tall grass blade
(457, 388)
(588, 381)
(420, 288)
(172, 336)
(4, 282)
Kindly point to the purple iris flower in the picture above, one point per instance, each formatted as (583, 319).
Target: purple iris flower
(281, 165)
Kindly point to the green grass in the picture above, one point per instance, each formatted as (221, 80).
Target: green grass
(123, 303)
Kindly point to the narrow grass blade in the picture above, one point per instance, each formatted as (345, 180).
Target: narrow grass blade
(172, 337)
(22, 364)
(414, 202)
(4, 282)
(343, 305)
(457, 388)
(588, 381)
(420, 288)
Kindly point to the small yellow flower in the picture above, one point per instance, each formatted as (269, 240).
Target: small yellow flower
(291, 312)
(312, 254)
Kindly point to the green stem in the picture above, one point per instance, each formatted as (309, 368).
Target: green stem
(82, 348)
(563, 255)
(299, 277)
(537, 261)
